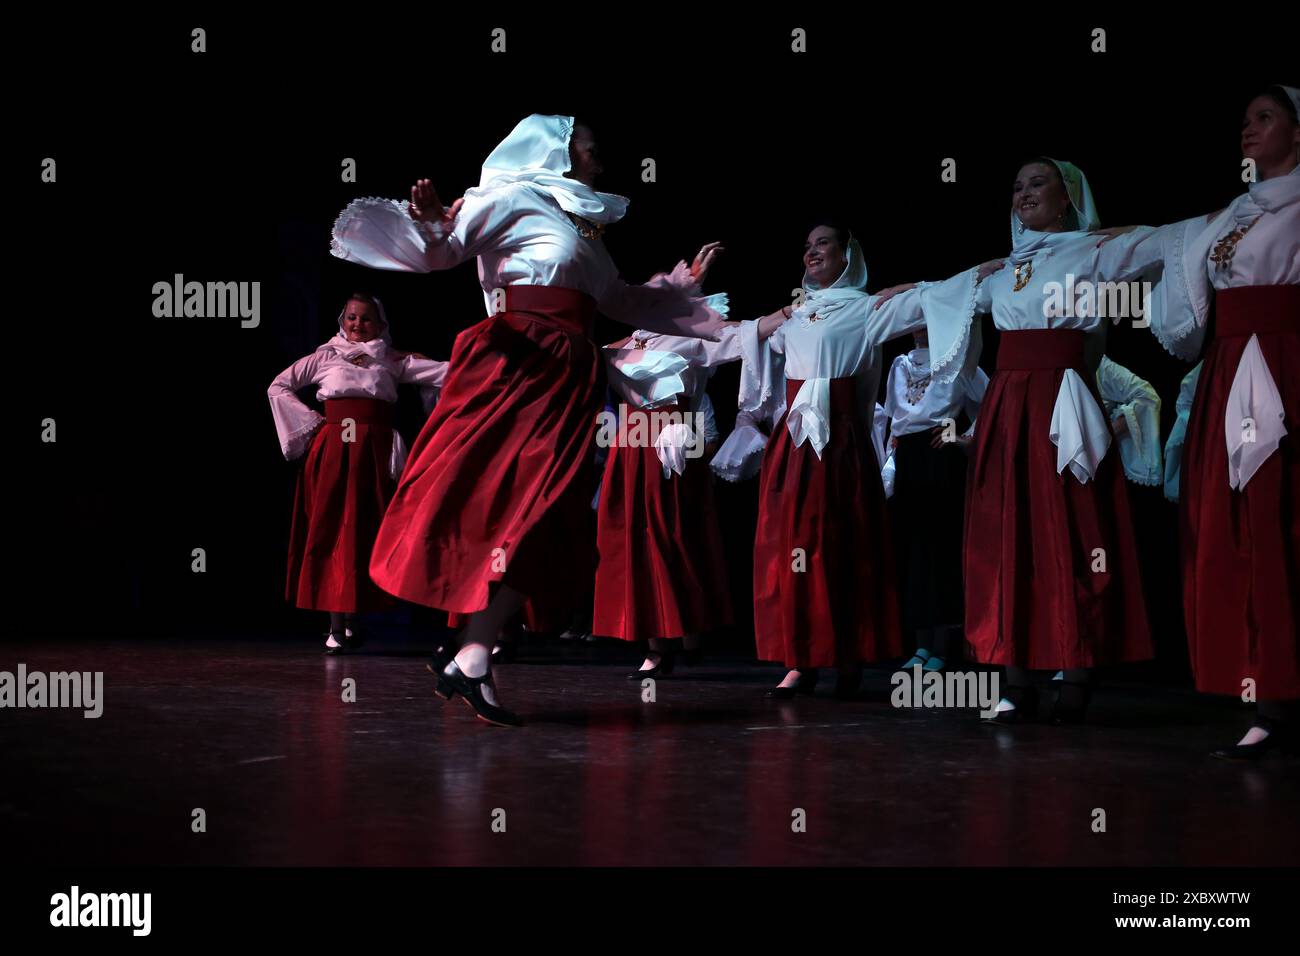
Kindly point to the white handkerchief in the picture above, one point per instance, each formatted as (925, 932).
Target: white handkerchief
(809, 418)
(671, 447)
(1253, 417)
(1079, 428)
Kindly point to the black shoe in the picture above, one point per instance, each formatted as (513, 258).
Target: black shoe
(452, 681)
(437, 664)
(1026, 701)
(1071, 703)
(1279, 741)
(806, 683)
(341, 639)
(504, 652)
(663, 668)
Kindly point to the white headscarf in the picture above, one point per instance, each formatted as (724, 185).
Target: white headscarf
(1025, 243)
(1270, 195)
(851, 284)
(809, 416)
(537, 153)
(375, 349)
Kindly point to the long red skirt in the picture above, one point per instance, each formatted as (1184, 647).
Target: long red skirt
(342, 491)
(499, 472)
(1032, 536)
(1241, 549)
(661, 573)
(824, 590)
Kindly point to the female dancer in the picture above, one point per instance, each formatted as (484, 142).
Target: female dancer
(823, 580)
(353, 459)
(1240, 472)
(478, 521)
(1049, 558)
(661, 574)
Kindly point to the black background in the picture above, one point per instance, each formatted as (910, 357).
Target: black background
(225, 166)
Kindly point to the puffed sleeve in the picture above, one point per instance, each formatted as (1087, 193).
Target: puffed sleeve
(950, 308)
(977, 383)
(711, 353)
(1127, 396)
(1178, 434)
(741, 455)
(899, 316)
(669, 303)
(295, 422)
(1179, 305)
(1124, 257)
(762, 372)
(708, 421)
(879, 428)
(428, 374)
(381, 234)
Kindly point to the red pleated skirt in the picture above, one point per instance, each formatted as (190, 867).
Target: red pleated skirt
(499, 474)
(1241, 549)
(343, 488)
(661, 573)
(824, 588)
(1050, 564)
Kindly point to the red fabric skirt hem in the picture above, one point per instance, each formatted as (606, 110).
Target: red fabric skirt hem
(661, 572)
(342, 490)
(824, 587)
(1050, 564)
(1241, 549)
(496, 482)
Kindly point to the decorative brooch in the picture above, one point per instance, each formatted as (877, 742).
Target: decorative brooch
(1226, 247)
(586, 228)
(1023, 280)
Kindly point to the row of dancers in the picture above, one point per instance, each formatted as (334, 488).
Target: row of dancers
(476, 521)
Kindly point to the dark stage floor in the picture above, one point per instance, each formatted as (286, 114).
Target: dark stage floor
(256, 734)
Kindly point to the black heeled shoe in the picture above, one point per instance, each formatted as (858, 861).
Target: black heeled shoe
(452, 681)
(1071, 703)
(806, 684)
(1026, 701)
(442, 656)
(1279, 740)
(341, 640)
(662, 668)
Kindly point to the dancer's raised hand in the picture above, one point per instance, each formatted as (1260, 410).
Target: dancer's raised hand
(425, 206)
(704, 260)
